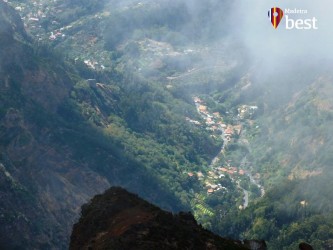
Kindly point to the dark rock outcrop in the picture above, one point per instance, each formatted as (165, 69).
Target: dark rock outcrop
(305, 246)
(118, 219)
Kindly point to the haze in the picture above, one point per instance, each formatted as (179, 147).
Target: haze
(250, 23)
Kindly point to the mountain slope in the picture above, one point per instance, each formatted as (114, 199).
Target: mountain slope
(289, 147)
(64, 138)
(34, 174)
(120, 220)
(115, 109)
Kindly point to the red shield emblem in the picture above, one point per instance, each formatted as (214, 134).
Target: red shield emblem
(275, 15)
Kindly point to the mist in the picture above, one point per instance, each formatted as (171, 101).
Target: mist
(160, 97)
(282, 48)
(274, 50)
(252, 25)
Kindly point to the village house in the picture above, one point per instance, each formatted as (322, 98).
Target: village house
(210, 191)
(223, 169)
(200, 175)
(190, 174)
(197, 99)
(230, 172)
(202, 108)
(246, 111)
(208, 184)
(229, 131)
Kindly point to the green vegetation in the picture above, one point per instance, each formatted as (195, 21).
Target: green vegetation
(287, 215)
(108, 89)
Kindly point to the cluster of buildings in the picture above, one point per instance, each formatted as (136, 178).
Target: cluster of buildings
(59, 32)
(247, 111)
(214, 122)
(219, 173)
(55, 35)
(35, 16)
(214, 176)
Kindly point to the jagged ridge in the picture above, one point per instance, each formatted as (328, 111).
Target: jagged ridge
(118, 219)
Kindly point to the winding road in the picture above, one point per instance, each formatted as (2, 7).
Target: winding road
(243, 162)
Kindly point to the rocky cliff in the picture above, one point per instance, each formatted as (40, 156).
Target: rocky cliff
(118, 219)
(40, 189)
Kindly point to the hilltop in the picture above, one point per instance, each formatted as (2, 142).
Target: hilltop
(118, 219)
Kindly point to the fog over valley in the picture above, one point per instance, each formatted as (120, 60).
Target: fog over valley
(218, 112)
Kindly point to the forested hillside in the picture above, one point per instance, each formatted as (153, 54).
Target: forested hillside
(291, 149)
(66, 137)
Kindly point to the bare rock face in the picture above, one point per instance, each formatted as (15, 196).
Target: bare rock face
(118, 219)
